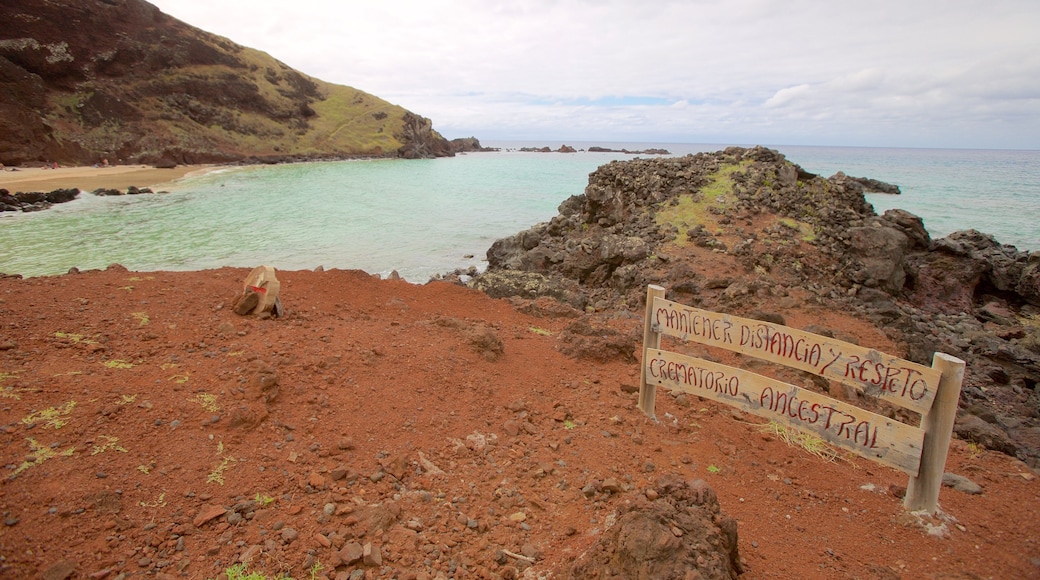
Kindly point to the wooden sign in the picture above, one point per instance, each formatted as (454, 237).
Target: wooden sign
(897, 381)
(932, 391)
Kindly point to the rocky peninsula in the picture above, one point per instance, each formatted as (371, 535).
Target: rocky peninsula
(745, 231)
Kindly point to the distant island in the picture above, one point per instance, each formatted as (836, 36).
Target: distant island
(569, 149)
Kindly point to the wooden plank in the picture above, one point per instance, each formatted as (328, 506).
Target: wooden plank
(922, 492)
(651, 339)
(900, 382)
(845, 426)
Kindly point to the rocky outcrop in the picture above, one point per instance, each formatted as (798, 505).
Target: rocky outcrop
(680, 533)
(86, 80)
(729, 229)
(865, 184)
(978, 264)
(468, 144)
(650, 151)
(34, 200)
(421, 141)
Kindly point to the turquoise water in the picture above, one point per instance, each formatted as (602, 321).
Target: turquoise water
(425, 217)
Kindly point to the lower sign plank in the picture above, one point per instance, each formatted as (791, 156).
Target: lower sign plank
(848, 427)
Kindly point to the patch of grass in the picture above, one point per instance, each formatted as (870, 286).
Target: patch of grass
(240, 572)
(40, 453)
(10, 392)
(692, 209)
(179, 379)
(217, 475)
(804, 231)
(263, 500)
(110, 443)
(144, 469)
(810, 442)
(126, 399)
(160, 502)
(119, 364)
(541, 331)
(349, 119)
(975, 450)
(54, 417)
(76, 338)
(142, 318)
(208, 401)
(713, 469)
(568, 424)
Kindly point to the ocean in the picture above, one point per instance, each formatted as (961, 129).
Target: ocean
(426, 217)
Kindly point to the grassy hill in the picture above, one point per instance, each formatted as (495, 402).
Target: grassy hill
(86, 80)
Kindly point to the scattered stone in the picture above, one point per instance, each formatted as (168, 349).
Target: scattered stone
(250, 554)
(961, 483)
(351, 553)
(60, 570)
(372, 555)
(207, 513)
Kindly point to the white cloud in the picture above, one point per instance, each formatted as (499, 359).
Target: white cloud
(888, 72)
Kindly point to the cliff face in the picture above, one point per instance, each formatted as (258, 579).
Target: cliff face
(86, 80)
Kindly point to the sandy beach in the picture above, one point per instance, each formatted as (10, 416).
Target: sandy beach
(91, 178)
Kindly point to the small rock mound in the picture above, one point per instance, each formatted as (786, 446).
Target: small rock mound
(681, 533)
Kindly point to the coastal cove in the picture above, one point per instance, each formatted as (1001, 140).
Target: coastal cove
(426, 217)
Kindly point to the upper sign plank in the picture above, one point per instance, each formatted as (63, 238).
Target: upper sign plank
(900, 382)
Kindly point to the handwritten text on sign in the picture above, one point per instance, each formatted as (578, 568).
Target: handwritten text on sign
(897, 381)
(867, 434)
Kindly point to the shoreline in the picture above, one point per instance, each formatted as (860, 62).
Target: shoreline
(87, 178)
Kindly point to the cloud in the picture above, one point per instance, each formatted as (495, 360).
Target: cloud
(888, 72)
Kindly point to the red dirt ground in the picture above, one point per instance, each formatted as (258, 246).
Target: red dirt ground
(135, 404)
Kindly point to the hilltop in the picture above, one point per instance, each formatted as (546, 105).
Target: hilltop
(87, 80)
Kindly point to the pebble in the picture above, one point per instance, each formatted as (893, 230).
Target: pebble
(289, 535)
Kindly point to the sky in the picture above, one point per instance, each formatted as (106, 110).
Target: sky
(880, 73)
